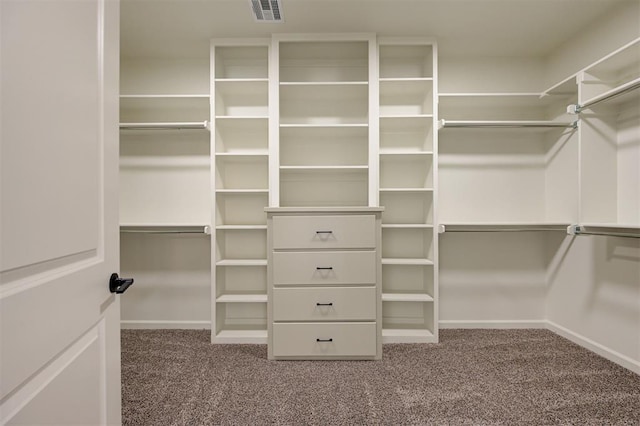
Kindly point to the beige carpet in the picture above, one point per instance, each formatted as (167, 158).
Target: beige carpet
(472, 377)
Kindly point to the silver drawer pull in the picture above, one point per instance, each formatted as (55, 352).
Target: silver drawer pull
(324, 232)
(324, 340)
(324, 304)
(324, 268)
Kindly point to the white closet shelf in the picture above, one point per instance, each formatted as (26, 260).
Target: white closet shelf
(623, 58)
(566, 87)
(412, 155)
(408, 333)
(248, 154)
(242, 262)
(406, 261)
(406, 226)
(240, 227)
(241, 117)
(242, 298)
(401, 79)
(325, 125)
(241, 80)
(407, 190)
(406, 116)
(406, 297)
(505, 124)
(501, 227)
(322, 168)
(241, 191)
(324, 83)
(241, 336)
(165, 229)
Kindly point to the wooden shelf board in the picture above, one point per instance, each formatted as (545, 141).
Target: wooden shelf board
(406, 297)
(242, 262)
(242, 298)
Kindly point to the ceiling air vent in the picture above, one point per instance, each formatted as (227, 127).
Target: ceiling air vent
(267, 10)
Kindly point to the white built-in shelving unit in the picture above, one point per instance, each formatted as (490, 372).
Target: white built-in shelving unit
(165, 197)
(407, 188)
(322, 92)
(240, 116)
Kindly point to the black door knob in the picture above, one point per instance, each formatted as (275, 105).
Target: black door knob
(119, 285)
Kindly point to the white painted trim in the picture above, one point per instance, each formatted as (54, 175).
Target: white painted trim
(25, 394)
(164, 324)
(493, 324)
(611, 355)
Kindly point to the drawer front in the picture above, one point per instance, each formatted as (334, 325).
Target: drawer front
(324, 268)
(332, 232)
(324, 339)
(324, 304)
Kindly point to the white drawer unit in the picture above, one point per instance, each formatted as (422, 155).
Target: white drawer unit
(324, 275)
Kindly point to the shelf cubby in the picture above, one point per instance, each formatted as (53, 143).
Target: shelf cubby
(324, 145)
(329, 186)
(235, 281)
(248, 135)
(324, 61)
(407, 243)
(241, 98)
(408, 321)
(324, 104)
(406, 134)
(406, 97)
(408, 280)
(245, 171)
(240, 62)
(410, 61)
(409, 171)
(402, 207)
(241, 208)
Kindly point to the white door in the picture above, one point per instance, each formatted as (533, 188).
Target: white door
(59, 324)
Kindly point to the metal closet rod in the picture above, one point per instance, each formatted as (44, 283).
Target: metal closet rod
(165, 126)
(506, 124)
(499, 228)
(625, 88)
(203, 230)
(580, 230)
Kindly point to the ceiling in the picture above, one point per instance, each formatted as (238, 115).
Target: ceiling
(182, 28)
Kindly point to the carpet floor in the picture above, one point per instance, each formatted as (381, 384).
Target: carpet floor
(472, 377)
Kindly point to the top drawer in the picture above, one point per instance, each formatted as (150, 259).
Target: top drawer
(331, 232)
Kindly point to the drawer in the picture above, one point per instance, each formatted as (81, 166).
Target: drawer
(324, 268)
(332, 232)
(324, 339)
(324, 304)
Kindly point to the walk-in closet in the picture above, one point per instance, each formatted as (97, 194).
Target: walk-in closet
(501, 181)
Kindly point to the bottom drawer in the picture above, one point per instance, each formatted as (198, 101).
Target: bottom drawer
(324, 339)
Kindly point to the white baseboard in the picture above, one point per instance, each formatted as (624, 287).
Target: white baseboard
(495, 324)
(147, 324)
(599, 349)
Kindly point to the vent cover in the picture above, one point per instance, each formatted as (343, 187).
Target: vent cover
(266, 10)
